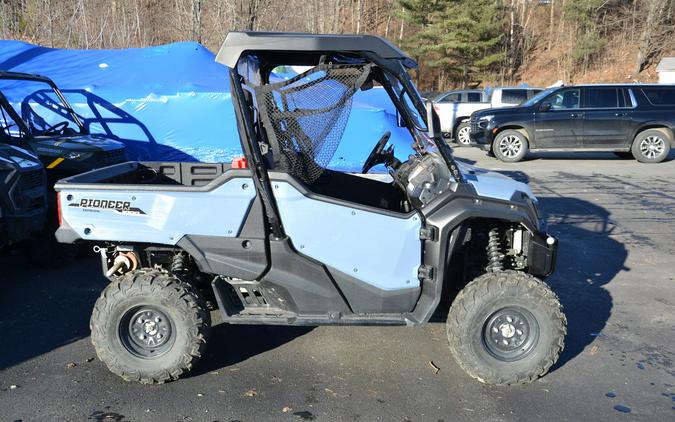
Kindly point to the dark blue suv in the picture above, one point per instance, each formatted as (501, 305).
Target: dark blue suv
(630, 120)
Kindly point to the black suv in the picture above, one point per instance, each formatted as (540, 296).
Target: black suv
(631, 120)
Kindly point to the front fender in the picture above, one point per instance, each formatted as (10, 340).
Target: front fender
(446, 215)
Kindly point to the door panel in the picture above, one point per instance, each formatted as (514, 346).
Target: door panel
(562, 125)
(381, 250)
(606, 120)
(606, 128)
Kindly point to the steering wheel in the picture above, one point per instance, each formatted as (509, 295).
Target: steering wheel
(379, 155)
(56, 128)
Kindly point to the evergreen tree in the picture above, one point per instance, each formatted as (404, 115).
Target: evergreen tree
(459, 37)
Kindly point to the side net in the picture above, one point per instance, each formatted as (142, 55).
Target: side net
(305, 117)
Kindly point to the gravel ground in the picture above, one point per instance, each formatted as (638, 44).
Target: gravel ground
(616, 222)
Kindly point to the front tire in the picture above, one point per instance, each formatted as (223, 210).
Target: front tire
(462, 134)
(510, 146)
(506, 327)
(651, 146)
(149, 326)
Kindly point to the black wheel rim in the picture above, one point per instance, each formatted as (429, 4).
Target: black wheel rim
(510, 334)
(146, 331)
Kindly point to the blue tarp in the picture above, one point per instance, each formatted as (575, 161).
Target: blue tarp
(172, 102)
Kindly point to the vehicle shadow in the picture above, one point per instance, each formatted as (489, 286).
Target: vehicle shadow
(232, 344)
(45, 309)
(588, 259)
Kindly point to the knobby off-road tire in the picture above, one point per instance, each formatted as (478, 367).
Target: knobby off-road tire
(149, 326)
(506, 306)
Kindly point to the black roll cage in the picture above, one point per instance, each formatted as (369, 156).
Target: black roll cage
(23, 126)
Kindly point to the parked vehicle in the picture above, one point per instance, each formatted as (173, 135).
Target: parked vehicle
(36, 116)
(23, 195)
(454, 108)
(279, 238)
(635, 120)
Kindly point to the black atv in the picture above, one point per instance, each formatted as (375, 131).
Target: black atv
(35, 116)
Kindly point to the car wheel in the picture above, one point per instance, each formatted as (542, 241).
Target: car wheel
(462, 134)
(651, 146)
(149, 326)
(510, 146)
(506, 327)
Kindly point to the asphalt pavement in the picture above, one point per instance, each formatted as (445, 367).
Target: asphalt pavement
(616, 223)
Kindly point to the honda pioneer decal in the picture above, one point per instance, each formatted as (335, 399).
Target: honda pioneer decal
(122, 207)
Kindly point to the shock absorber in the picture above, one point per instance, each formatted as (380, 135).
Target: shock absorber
(179, 263)
(494, 251)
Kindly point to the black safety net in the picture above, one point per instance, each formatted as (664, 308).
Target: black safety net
(305, 117)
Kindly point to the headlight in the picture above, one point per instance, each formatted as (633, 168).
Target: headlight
(484, 121)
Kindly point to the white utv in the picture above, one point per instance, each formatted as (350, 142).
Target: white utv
(280, 238)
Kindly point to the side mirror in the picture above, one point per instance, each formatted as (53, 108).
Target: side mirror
(433, 121)
(545, 107)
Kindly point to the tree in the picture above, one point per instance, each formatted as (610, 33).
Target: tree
(467, 37)
(420, 14)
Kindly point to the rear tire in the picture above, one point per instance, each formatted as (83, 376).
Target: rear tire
(651, 146)
(510, 146)
(149, 326)
(462, 134)
(506, 327)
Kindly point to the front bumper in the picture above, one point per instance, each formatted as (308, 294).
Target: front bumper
(542, 254)
(481, 137)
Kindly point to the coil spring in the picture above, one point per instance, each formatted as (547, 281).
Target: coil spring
(494, 253)
(179, 263)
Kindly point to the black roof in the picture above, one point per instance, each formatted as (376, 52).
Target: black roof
(237, 43)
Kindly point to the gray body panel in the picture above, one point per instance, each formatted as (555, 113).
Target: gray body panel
(161, 217)
(382, 250)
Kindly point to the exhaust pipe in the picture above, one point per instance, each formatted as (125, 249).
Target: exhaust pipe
(123, 263)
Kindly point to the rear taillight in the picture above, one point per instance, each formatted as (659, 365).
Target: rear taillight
(58, 207)
(239, 163)
(437, 108)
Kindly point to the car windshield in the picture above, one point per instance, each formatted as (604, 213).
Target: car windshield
(38, 104)
(539, 96)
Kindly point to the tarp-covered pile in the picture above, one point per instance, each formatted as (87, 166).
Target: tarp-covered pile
(172, 102)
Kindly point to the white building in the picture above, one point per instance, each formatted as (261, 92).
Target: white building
(666, 69)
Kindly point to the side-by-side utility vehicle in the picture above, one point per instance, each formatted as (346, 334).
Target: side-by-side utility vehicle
(278, 237)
